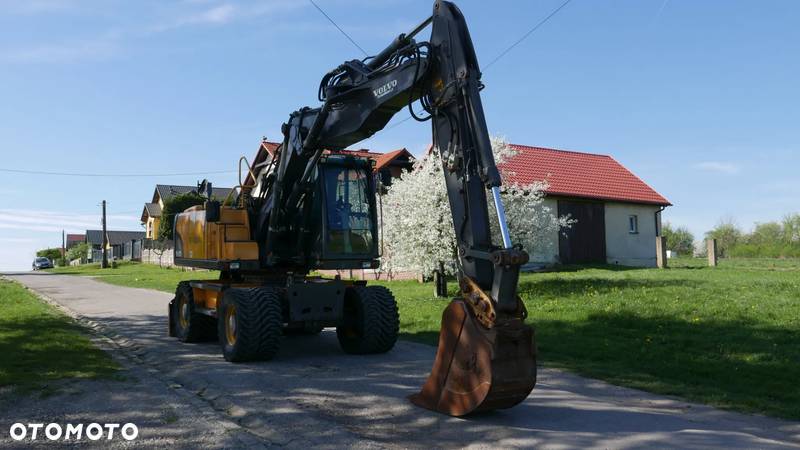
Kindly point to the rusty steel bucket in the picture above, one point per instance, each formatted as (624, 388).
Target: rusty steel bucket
(480, 364)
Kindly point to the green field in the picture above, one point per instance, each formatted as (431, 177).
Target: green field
(39, 345)
(727, 336)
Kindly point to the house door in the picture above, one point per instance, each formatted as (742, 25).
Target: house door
(585, 240)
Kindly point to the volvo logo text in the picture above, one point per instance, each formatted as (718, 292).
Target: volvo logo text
(385, 89)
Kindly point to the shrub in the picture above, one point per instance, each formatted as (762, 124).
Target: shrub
(175, 205)
(768, 240)
(765, 233)
(50, 253)
(791, 228)
(679, 239)
(727, 235)
(769, 250)
(79, 251)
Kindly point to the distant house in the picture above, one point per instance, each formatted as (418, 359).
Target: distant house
(618, 215)
(75, 239)
(391, 165)
(125, 245)
(151, 214)
(387, 165)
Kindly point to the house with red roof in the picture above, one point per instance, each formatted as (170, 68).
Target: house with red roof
(74, 239)
(618, 216)
(388, 166)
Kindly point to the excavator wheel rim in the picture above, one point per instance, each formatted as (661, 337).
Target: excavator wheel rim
(184, 312)
(230, 324)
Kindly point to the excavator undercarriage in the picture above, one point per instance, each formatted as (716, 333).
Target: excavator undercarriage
(312, 206)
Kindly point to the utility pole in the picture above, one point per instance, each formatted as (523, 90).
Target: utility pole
(63, 247)
(104, 263)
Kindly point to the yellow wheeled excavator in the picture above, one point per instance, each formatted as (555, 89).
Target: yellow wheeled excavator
(314, 207)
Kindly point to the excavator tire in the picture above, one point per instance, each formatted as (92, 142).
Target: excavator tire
(250, 323)
(188, 325)
(371, 321)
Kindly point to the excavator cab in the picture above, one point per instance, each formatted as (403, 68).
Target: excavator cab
(349, 235)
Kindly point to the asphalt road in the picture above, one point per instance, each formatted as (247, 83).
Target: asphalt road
(313, 395)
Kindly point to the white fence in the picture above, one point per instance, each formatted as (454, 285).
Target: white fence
(158, 253)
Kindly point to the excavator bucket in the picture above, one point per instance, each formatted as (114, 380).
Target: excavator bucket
(485, 361)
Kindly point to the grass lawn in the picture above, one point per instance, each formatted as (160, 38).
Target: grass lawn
(727, 336)
(39, 344)
(138, 275)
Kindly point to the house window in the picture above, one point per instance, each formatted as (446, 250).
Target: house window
(633, 224)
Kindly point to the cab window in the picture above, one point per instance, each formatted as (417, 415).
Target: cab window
(347, 205)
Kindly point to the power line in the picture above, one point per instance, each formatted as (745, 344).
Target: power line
(127, 175)
(524, 36)
(502, 54)
(402, 121)
(395, 125)
(338, 27)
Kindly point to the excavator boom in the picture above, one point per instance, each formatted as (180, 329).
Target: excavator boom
(486, 354)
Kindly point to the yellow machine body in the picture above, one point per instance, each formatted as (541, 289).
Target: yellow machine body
(217, 244)
(223, 245)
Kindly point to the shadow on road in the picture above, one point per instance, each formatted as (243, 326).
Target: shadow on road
(366, 395)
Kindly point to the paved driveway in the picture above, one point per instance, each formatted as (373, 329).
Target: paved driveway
(314, 395)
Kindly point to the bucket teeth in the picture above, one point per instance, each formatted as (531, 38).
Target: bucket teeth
(478, 368)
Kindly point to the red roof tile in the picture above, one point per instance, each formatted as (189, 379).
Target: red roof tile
(576, 174)
(387, 158)
(270, 146)
(76, 237)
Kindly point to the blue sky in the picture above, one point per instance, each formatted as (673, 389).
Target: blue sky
(700, 99)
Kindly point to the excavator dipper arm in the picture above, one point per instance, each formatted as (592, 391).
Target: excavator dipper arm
(486, 354)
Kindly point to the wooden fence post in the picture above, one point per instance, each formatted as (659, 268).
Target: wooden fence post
(661, 252)
(711, 249)
(439, 281)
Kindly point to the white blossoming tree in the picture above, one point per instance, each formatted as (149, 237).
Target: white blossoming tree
(418, 227)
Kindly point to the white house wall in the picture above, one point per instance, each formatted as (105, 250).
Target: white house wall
(623, 247)
(263, 170)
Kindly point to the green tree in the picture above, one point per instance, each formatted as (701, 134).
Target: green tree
(727, 235)
(679, 240)
(50, 253)
(770, 233)
(175, 205)
(78, 251)
(791, 228)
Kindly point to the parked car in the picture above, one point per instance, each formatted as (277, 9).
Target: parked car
(42, 263)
